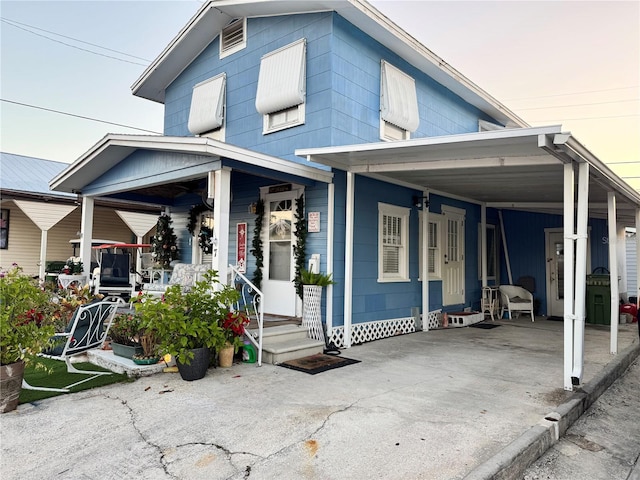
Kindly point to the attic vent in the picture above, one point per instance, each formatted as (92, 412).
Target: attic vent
(233, 37)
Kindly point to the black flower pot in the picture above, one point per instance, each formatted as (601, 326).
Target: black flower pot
(197, 369)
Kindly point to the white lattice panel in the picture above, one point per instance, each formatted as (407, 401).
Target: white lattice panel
(369, 331)
(435, 319)
(311, 314)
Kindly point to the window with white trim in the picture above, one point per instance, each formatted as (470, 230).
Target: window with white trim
(233, 37)
(393, 243)
(492, 252)
(281, 93)
(399, 114)
(434, 246)
(208, 106)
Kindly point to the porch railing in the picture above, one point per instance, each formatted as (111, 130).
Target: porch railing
(251, 303)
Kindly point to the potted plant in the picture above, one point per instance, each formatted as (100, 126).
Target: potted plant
(232, 325)
(312, 284)
(24, 331)
(187, 325)
(125, 335)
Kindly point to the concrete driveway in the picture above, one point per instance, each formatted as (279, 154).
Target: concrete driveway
(443, 404)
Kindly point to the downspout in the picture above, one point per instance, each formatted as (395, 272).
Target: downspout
(348, 259)
(581, 271)
(613, 270)
(569, 272)
(504, 246)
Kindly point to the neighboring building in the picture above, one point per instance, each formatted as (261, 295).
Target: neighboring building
(38, 224)
(402, 163)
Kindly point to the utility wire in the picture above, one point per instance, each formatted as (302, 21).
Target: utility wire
(10, 21)
(78, 116)
(579, 104)
(573, 93)
(74, 46)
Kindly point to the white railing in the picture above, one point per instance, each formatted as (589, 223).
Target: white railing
(251, 303)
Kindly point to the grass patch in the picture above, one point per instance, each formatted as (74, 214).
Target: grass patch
(57, 377)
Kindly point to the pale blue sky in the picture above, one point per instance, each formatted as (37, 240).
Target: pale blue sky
(571, 62)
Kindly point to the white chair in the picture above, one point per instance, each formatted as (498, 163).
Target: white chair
(516, 300)
(87, 330)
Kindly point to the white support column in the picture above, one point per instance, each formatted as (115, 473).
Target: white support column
(569, 236)
(581, 272)
(613, 270)
(220, 257)
(331, 214)
(424, 272)
(504, 247)
(483, 243)
(86, 229)
(43, 254)
(348, 259)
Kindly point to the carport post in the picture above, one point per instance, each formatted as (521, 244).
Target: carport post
(424, 267)
(348, 259)
(581, 272)
(483, 242)
(569, 238)
(613, 270)
(638, 261)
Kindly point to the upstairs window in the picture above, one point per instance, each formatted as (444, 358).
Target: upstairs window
(208, 105)
(233, 37)
(399, 114)
(393, 243)
(282, 87)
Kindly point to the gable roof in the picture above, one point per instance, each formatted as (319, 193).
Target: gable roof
(29, 175)
(207, 23)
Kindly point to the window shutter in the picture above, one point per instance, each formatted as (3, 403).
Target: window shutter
(207, 105)
(398, 98)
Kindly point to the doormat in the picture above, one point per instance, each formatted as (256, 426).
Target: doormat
(555, 318)
(486, 326)
(318, 363)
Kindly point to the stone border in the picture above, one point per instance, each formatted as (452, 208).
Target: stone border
(515, 458)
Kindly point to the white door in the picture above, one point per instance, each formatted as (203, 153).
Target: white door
(279, 263)
(453, 257)
(555, 271)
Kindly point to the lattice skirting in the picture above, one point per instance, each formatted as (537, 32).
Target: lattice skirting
(369, 331)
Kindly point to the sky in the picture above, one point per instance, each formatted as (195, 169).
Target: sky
(575, 63)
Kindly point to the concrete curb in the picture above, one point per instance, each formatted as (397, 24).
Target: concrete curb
(515, 458)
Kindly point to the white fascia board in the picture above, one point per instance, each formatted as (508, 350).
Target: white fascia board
(114, 148)
(322, 155)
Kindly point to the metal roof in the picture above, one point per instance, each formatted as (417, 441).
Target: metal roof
(30, 175)
(509, 168)
(207, 23)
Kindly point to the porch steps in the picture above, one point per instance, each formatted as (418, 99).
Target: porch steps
(287, 342)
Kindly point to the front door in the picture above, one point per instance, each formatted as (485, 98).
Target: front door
(453, 261)
(279, 263)
(555, 271)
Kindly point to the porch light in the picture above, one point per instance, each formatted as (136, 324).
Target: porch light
(419, 201)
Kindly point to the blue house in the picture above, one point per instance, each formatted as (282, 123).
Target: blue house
(323, 124)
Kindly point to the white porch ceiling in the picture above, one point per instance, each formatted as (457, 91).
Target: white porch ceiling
(515, 168)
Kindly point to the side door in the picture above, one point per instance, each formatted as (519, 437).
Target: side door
(453, 272)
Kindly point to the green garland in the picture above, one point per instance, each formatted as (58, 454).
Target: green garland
(299, 249)
(256, 243)
(164, 246)
(194, 213)
(204, 240)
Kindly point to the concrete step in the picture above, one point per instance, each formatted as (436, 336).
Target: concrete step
(286, 349)
(279, 333)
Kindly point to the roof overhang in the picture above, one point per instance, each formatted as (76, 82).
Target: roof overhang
(206, 24)
(112, 149)
(509, 168)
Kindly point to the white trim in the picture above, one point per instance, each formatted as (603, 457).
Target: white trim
(403, 213)
(331, 213)
(238, 46)
(348, 258)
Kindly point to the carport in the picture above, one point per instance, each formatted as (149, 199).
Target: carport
(539, 169)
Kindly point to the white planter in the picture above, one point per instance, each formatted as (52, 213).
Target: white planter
(312, 311)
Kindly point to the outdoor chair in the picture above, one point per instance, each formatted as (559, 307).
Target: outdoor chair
(184, 274)
(87, 329)
(115, 278)
(516, 299)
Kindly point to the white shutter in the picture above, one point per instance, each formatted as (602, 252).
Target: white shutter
(207, 105)
(398, 98)
(281, 81)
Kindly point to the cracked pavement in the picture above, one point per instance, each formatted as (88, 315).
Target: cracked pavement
(430, 405)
